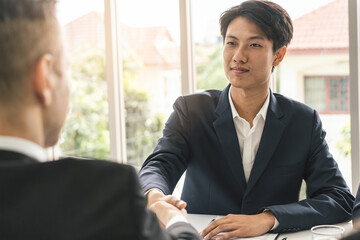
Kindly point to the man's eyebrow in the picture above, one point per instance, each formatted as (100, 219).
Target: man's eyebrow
(250, 38)
(256, 38)
(232, 36)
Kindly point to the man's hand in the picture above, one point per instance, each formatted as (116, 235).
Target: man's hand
(166, 211)
(240, 226)
(155, 195)
(356, 223)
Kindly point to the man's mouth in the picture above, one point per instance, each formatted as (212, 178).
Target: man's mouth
(239, 69)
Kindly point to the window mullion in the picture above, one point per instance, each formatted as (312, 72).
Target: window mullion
(188, 82)
(115, 83)
(354, 23)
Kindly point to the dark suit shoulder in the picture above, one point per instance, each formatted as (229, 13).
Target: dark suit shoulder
(208, 96)
(289, 103)
(96, 172)
(293, 111)
(93, 164)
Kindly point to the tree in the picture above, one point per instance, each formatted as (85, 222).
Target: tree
(86, 131)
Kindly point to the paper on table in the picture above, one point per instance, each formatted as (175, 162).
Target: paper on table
(267, 236)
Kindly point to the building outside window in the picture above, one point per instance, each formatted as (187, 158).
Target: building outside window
(328, 94)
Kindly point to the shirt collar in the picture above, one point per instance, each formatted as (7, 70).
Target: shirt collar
(262, 112)
(23, 146)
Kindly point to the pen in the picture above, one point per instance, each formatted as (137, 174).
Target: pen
(277, 236)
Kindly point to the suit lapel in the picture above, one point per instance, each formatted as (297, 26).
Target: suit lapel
(271, 136)
(226, 132)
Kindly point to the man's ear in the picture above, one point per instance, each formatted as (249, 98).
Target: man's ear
(279, 54)
(42, 79)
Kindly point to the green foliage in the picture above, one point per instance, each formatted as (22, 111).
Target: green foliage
(86, 132)
(344, 144)
(210, 75)
(142, 130)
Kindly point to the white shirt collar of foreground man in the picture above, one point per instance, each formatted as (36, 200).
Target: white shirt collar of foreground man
(23, 146)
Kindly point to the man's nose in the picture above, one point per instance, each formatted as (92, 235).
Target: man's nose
(240, 55)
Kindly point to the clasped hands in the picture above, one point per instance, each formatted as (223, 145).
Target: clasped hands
(233, 225)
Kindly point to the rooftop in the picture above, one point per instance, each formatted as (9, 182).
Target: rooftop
(322, 31)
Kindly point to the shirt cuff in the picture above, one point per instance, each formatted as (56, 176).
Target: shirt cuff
(276, 224)
(146, 193)
(176, 219)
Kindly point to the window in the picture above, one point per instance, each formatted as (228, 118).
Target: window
(150, 47)
(328, 94)
(86, 131)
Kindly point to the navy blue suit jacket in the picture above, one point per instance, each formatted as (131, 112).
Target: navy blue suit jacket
(200, 137)
(76, 199)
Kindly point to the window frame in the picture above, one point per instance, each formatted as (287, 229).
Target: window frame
(327, 79)
(354, 46)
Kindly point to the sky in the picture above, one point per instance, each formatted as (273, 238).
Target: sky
(206, 13)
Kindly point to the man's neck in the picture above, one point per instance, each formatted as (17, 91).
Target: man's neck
(26, 124)
(248, 103)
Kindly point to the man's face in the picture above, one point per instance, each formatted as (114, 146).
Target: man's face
(248, 55)
(56, 113)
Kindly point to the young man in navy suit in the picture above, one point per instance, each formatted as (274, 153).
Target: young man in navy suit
(69, 198)
(246, 149)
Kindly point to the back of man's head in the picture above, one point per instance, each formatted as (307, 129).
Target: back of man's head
(28, 30)
(33, 87)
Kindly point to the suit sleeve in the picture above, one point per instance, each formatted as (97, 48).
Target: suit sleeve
(147, 223)
(329, 199)
(164, 167)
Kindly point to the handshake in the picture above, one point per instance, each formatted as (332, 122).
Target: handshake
(167, 208)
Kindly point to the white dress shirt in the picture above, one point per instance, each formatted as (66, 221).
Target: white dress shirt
(23, 146)
(249, 138)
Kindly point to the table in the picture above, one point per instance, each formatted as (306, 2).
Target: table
(200, 221)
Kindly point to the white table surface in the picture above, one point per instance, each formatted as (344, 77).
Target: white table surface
(200, 221)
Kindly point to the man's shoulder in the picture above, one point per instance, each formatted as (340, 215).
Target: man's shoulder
(92, 162)
(210, 94)
(200, 100)
(289, 103)
(87, 166)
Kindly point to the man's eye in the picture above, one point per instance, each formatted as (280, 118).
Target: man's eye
(255, 45)
(230, 43)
